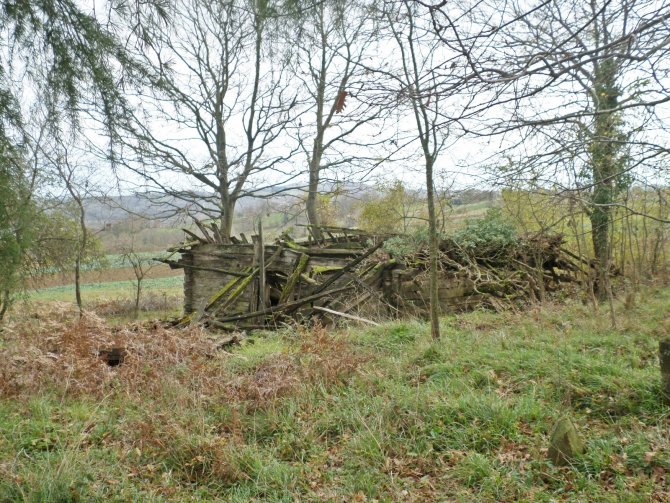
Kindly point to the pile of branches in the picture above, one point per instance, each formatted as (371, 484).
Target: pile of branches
(502, 271)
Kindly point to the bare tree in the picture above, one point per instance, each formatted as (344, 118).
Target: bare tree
(579, 83)
(209, 129)
(340, 128)
(425, 80)
(141, 267)
(68, 173)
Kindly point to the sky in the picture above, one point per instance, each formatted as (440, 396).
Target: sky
(465, 161)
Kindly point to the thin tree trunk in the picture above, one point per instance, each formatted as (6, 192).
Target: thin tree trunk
(80, 255)
(312, 200)
(603, 148)
(77, 284)
(138, 293)
(434, 252)
(600, 236)
(4, 304)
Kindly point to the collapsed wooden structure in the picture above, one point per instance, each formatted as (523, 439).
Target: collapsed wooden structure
(345, 273)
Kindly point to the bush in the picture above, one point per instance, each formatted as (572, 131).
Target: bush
(492, 231)
(488, 236)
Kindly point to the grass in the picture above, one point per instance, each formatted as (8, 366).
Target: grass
(379, 414)
(160, 298)
(172, 285)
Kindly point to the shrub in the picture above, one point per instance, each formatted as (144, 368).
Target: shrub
(489, 234)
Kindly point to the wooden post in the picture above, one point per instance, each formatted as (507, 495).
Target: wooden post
(261, 265)
(664, 357)
(253, 295)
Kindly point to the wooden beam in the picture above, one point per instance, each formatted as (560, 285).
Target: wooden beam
(348, 267)
(294, 278)
(178, 265)
(217, 233)
(261, 264)
(203, 229)
(283, 307)
(195, 236)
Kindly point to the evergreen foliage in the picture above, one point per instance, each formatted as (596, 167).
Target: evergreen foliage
(16, 216)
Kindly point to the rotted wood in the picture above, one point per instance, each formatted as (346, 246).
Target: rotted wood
(348, 267)
(243, 283)
(197, 316)
(292, 281)
(203, 229)
(179, 265)
(240, 286)
(217, 233)
(262, 294)
(285, 307)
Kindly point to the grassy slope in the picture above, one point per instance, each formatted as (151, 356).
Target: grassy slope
(374, 414)
(95, 292)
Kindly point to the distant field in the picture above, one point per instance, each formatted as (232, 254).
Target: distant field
(111, 290)
(103, 275)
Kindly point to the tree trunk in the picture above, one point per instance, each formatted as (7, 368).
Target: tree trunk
(4, 304)
(312, 200)
(226, 225)
(138, 294)
(605, 165)
(434, 252)
(81, 251)
(77, 284)
(600, 236)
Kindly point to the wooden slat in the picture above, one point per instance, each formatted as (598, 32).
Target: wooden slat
(345, 315)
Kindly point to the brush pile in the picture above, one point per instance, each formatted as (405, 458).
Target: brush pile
(57, 351)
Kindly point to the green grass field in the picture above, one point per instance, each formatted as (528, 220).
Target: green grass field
(95, 292)
(379, 414)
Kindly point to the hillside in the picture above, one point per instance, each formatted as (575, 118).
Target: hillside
(381, 414)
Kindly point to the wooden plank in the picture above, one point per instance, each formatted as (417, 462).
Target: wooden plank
(284, 307)
(345, 315)
(294, 278)
(217, 232)
(261, 264)
(334, 253)
(195, 236)
(203, 229)
(239, 289)
(179, 265)
(348, 267)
